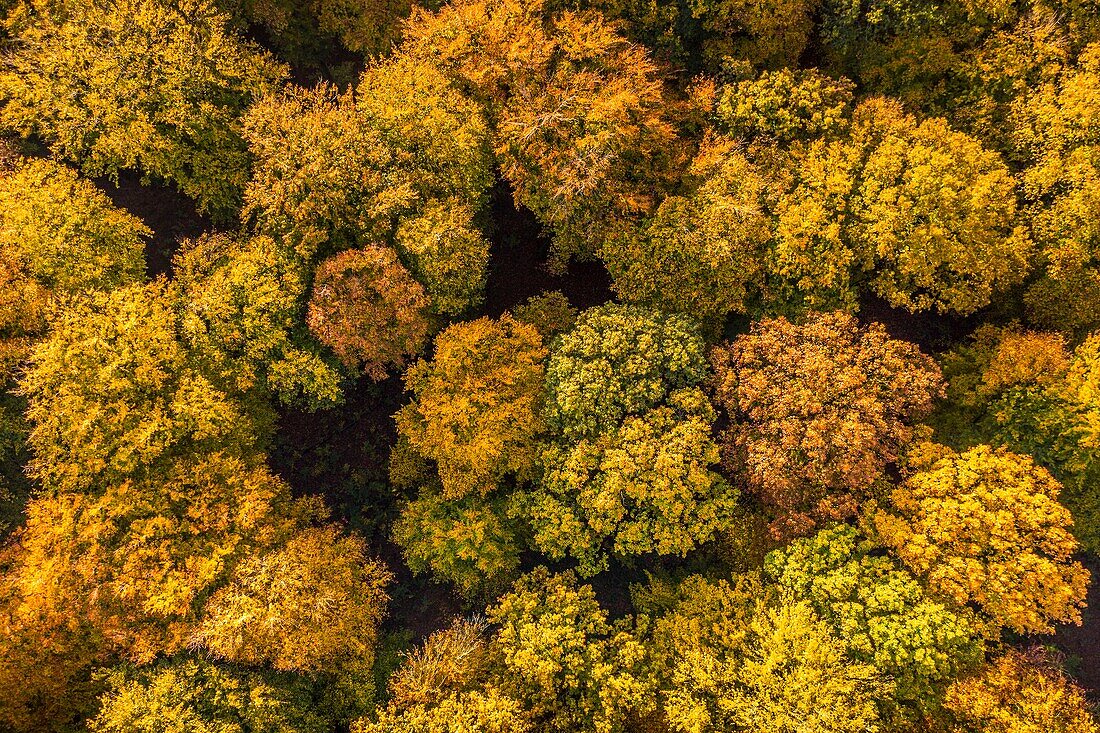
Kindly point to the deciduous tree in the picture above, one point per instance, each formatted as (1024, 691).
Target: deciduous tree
(367, 308)
(818, 411)
(141, 84)
(569, 668)
(985, 527)
(241, 317)
(619, 360)
(476, 405)
(881, 615)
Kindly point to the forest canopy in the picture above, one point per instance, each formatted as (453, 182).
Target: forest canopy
(561, 366)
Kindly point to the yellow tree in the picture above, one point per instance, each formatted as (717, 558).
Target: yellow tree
(1018, 693)
(311, 604)
(985, 527)
(240, 312)
(112, 394)
(335, 171)
(875, 208)
(476, 405)
(576, 111)
(701, 253)
(140, 84)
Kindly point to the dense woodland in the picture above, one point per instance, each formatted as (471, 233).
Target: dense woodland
(549, 366)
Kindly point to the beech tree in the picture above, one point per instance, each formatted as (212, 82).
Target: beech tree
(1020, 691)
(647, 486)
(1026, 391)
(575, 109)
(470, 541)
(335, 171)
(703, 253)
(140, 84)
(818, 411)
(953, 243)
(112, 394)
(791, 675)
(986, 527)
(314, 603)
(195, 695)
(60, 235)
(367, 308)
(785, 105)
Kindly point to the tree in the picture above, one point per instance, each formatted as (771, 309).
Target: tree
(1026, 391)
(442, 687)
(985, 527)
(335, 171)
(470, 541)
(367, 308)
(195, 695)
(124, 571)
(792, 675)
(471, 712)
(447, 254)
(312, 604)
(140, 84)
(874, 207)
(240, 315)
(619, 360)
(644, 487)
(1053, 129)
(112, 395)
(818, 411)
(476, 405)
(785, 105)
(1020, 692)
(881, 615)
(51, 219)
(575, 110)
(569, 668)
(701, 253)
(137, 559)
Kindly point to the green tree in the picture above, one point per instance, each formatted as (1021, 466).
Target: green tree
(644, 487)
(818, 411)
(619, 360)
(985, 527)
(570, 668)
(470, 541)
(140, 84)
(881, 615)
(196, 695)
(240, 316)
(701, 253)
(367, 308)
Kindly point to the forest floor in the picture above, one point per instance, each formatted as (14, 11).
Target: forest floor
(342, 453)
